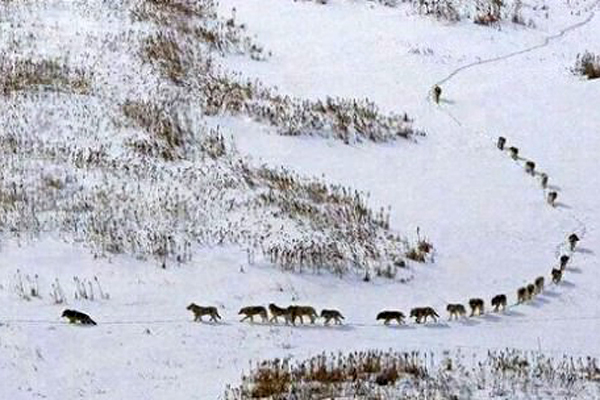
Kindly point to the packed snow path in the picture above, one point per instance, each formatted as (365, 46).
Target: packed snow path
(547, 41)
(581, 228)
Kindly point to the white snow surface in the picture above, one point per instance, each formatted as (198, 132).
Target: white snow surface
(488, 220)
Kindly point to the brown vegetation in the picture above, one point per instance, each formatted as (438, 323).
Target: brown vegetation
(378, 374)
(44, 75)
(587, 64)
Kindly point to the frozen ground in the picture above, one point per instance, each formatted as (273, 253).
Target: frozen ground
(489, 222)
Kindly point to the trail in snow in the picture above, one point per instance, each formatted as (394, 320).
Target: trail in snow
(545, 43)
(581, 226)
(224, 322)
(350, 329)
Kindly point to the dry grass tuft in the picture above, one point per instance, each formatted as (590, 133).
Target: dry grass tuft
(167, 134)
(45, 75)
(328, 375)
(199, 20)
(374, 374)
(587, 64)
(348, 120)
(164, 51)
(165, 12)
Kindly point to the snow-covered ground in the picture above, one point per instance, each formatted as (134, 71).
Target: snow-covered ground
(492, 230)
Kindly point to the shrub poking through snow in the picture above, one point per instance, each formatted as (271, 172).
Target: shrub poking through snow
(415, 254)
(167, 133)
(198, 20)
(57, 294)
(349, 120)
(175, 53)
(421, 251)
(45, 75)
(587, 64)
(26, 287)
(482, 12)
(86, 289)
(504, 374)
(131, 168)
(163, 49)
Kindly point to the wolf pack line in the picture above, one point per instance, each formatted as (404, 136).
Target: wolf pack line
(296, 313)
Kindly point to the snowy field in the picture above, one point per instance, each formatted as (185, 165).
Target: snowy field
(488, 221)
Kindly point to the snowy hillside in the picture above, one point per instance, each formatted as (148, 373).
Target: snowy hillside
(156, 153)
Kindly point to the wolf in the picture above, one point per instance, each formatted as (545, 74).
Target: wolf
(420, 314)
(200, 311)
(302, 311)
(522, 295)
(564, 260)
(75, 316)
(477, 306)
(544, 180)
(501, 142)
(539, 284)
(551, 199)
(556, 275)
(437, 93)
(530, 291)
(277, 312)
(530, 167)
(499, 301)
(573, 239)
(456, 310)
(388, 316)
(334, 315)
(250, 312)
